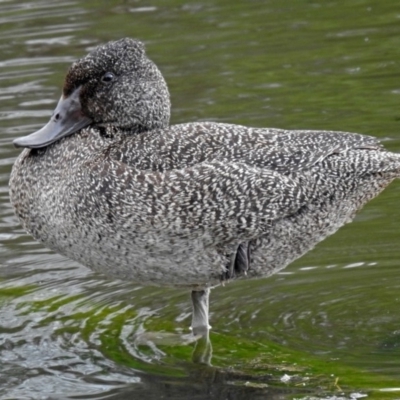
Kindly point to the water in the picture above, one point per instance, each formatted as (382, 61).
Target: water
(328, 324)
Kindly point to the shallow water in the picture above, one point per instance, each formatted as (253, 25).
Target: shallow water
(328, 324)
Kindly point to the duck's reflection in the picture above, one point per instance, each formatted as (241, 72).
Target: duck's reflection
(202, 352)
(209, 384)
(202, 380)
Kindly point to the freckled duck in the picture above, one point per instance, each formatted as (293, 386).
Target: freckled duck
(109, 183)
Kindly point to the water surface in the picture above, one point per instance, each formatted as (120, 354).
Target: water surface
(329, 325)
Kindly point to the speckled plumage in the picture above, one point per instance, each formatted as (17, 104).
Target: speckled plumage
(136, 199)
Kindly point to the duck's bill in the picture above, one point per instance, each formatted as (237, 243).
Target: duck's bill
(67, 119)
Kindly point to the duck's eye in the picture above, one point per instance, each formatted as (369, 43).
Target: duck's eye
(107, 77)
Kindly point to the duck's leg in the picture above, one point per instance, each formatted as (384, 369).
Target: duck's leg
(200, 324)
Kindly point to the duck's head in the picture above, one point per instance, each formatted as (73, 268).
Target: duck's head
(115, 84)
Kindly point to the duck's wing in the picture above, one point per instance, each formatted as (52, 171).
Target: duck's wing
(186, 145)
(218, 202)
(288, 151)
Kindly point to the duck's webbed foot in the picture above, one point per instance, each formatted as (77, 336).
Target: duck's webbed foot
(240, 262)
(200, 324)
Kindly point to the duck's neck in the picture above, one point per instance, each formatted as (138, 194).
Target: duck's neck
(110, 129)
